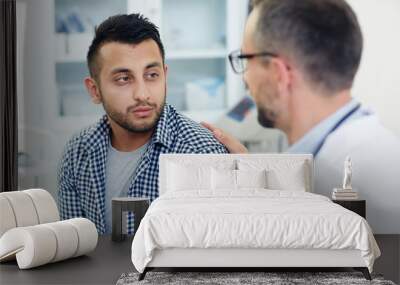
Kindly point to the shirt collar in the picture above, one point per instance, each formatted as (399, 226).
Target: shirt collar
(162, 133)
(99, 134)
(313, 138)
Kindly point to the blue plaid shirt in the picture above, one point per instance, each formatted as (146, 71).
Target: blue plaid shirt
(81, 175)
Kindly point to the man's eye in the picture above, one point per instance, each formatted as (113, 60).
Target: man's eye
(152, 75)
(122, 79)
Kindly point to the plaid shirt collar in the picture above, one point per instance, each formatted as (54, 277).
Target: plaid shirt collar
(101, 133)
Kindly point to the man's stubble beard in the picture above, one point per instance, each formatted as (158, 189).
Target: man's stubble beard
(122, 119)
(266, 118)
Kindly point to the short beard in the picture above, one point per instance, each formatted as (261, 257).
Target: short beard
(266, 118)
(123, 122)
(122, 119)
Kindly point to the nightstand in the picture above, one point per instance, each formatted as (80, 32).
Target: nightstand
(137, 205)
(357, 206)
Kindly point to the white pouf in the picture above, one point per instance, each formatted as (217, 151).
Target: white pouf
(37, 245)
(30, 230)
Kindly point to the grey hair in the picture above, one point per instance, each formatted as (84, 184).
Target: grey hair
(323, 36)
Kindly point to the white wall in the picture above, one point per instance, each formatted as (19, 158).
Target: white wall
(378, 80)
(377, 85)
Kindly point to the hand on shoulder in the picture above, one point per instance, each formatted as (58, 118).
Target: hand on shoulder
(231, 143)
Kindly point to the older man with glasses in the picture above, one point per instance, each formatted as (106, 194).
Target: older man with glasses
(299, 60)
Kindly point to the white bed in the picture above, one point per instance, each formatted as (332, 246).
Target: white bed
(202, 219)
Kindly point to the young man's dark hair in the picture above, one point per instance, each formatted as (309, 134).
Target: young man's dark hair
(129, 29)
(323, 36)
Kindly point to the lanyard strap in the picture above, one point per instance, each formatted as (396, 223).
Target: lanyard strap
(337, 125)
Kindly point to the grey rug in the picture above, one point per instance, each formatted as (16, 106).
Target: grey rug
(270, 278)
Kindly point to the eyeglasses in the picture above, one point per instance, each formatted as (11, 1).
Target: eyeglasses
(239, 61)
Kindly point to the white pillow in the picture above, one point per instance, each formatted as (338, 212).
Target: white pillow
(282, 174)
(182, 177)
(223, 179)
(226, 179)
(191, 174)
(251, 178)
(279, 180)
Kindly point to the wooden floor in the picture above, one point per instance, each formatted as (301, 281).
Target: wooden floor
(106, 264)
(389, 262)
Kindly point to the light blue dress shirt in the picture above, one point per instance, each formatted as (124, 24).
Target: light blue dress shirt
(311, 141)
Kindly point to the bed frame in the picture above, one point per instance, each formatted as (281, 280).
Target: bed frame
(234, 259)
(250, 259)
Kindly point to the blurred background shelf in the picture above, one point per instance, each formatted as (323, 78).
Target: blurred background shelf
(196, 53)
(200, 82)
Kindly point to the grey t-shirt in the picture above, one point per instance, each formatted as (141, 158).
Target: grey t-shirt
(120, 170)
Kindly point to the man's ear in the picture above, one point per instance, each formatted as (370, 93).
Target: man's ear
(93, 90)
(165, 70)
(165, 75)
(283, 75)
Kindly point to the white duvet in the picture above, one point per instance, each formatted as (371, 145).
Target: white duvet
(253, 218)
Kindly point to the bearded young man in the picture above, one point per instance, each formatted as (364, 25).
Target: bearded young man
(118, 156)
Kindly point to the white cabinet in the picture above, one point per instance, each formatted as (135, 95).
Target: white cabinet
(197, 35)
